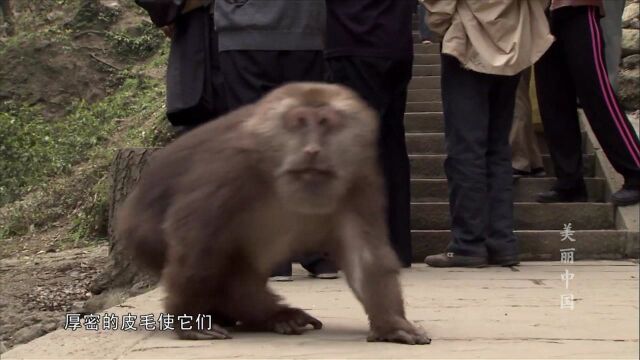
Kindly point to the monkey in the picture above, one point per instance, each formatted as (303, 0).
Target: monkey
(296, 171)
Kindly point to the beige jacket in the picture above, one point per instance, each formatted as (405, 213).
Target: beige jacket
(501, 37)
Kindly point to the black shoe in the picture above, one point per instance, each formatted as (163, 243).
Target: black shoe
(452, 260)
(324, 269)
(562, 196)
(627, 195)
(537, 172)
(506, 260)
(282, 273)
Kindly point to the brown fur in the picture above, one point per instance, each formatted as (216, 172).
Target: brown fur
(297, 171)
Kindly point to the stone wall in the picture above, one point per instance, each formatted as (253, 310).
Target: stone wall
(629, 76)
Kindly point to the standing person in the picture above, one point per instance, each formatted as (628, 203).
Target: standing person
(423, 28)
(264, 44)
(575, 66)
(611, 25)
(526, 159)
(195, 92)
(7, 17)
(370, 49)
(482, 57)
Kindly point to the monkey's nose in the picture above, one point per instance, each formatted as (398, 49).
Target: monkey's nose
(311, 150)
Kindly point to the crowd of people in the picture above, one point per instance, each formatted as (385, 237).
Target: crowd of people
(228, 53)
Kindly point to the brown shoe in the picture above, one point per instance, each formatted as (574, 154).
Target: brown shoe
(452, 260)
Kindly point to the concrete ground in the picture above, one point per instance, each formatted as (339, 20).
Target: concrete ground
(469, 313)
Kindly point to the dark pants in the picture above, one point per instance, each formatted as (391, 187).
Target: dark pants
(250, 74)
(478, 112)
(575, 66)
(383, 84)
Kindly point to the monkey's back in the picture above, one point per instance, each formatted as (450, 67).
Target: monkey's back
(172, 172)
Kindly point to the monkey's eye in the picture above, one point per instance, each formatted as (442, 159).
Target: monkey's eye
(296, 120)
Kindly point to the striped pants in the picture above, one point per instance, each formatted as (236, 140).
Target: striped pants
(573, 67)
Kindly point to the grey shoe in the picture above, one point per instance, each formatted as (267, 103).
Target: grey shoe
(452, 260)
(627, 195)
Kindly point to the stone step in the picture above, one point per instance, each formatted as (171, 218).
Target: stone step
(417, 107)
(426, 49)
(431, 166)
(544, 245)
(426, 59)
(524, 189)
(426, 70)
(424, 82)
(424, 122)
(433, 143)
(426, 95)
(527, 216)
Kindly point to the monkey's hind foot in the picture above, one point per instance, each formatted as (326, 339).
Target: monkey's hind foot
(410, 335)
(291, 321)
(215, 333)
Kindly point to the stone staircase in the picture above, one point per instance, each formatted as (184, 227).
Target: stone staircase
(598, 232)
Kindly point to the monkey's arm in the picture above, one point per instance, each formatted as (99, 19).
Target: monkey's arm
(371, 268)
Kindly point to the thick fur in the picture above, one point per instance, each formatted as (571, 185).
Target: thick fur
(297, 171)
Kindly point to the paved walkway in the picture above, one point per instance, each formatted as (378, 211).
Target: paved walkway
(470, 313)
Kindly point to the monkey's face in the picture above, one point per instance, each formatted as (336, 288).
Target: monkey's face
(322, 137)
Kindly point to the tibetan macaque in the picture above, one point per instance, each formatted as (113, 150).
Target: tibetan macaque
(216, 210)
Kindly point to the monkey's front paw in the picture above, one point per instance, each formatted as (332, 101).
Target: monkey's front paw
(292, 321)
(407, 334)
(215, 333)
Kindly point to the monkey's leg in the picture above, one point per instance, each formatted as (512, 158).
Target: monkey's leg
(188, 299)
(255, 306)
(371, 269)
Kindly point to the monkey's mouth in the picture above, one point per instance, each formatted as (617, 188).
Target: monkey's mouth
(312, 172)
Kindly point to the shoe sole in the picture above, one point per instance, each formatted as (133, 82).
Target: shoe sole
(547, 201)
(473, 266)
(325, 276)
(508, 264)
(281, 278)
(625, 203)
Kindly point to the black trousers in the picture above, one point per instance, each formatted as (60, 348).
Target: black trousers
(249, 74)
(383, 84)
(478, 112)
(575, 66)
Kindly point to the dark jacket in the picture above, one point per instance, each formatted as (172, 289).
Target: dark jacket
(556, 4)
(194, 84)
(270, 25)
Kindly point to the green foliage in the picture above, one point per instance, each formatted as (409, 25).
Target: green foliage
(34, 149)
(93, 15)
(137, 43)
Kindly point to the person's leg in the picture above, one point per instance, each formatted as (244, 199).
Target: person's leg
(307, 66)
(501, 241)
(248, 74)
(395, 159)
(423, 28)
(518, 137)
(218, 87)
(556, 99)
(612, 33)
(302, 65)
(583, 51)
(466, 102)
(367, 76)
